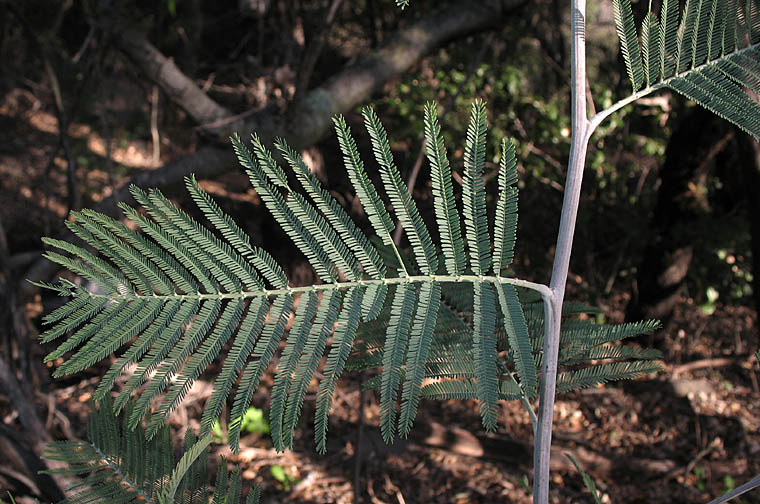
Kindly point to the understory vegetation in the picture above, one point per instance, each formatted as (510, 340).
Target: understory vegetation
(351, 278)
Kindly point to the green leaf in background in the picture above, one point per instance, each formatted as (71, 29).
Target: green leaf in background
(255, 422)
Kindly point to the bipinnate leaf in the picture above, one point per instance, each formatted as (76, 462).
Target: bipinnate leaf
(710, 56)
(169, 295)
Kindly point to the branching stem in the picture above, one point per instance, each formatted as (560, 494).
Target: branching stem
(581, 132)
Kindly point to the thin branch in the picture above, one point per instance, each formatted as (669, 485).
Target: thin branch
(313, 51)
(155, 138)
(709, 363)
(74, 197)
(412, 179)
(750, 485)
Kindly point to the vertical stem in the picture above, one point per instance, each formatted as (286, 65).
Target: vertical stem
(154, 126)
(581, 131)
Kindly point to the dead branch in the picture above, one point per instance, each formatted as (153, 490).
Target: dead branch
(713, 362)
(313, 118)
(357, 83)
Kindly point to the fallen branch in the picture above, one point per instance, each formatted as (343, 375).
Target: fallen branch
(172, 81)
(708, 363)
(313, 119)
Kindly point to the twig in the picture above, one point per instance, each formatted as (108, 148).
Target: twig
(313, 51)
(702, 454)
(750, 485)
(412, 179)
(581, 132)
(85, 43)
(22, 478)
(708, 363)
(358, 454)
(155, 139)
(616, 267)
(75, 199)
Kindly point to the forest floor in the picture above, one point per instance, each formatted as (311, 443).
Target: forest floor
(687, 434)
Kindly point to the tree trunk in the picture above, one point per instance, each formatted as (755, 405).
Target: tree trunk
(700, 136)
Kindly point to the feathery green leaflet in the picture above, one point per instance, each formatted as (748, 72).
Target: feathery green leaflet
(179, 295)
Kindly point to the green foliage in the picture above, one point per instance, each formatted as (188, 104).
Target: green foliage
(120, 463)
(590, 354)
(710, 56)
(278, 472)
(176, 292)
(586, 479)
(448, 323)
(254, 422)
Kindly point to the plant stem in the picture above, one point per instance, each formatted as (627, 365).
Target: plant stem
(581, 131)
(545, 292)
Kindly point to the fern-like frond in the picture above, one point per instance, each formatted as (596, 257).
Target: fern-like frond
(316, 233)
(609, 352)
(505, 225)
(175, 293)
(402, 309)
(706, 57)
(121, 465)
(308, 362)
(278, 206)
(474, 191)
(603, 373)
(650, 48)
(229, 229)
(668, 37)
(354, 239)
(403, 204)
(262, 353)
(446, 213)
(348, 322)
(629, 44)
(583, 334)
(420, 340)
(466, 389)
(296, 341)
(365, 190)
(198, 362)
(519, 340)
(373, 301)
(484, 345)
